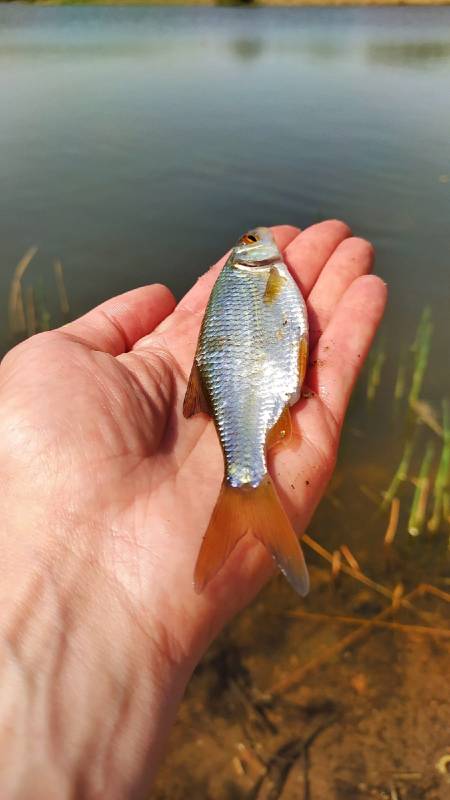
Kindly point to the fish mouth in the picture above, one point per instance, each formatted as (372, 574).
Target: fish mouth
(263, 264)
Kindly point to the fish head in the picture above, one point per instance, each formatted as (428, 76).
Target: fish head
(256, 248)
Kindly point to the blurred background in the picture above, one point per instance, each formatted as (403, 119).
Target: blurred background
(137, 144)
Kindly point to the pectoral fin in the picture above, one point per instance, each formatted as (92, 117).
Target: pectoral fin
(194, 400)
(274, 285)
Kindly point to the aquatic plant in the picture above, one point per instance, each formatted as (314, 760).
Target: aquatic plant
(441, 489)
(431, 481)
(28, 310)
(16, 313)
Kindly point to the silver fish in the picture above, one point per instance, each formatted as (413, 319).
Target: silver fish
(248, 370)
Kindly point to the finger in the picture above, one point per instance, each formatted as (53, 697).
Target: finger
(114, 326)
(196, 298)
(342, 349)
(308, 253)
(352, 258)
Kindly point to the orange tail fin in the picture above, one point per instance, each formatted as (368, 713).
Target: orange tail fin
(258, 511)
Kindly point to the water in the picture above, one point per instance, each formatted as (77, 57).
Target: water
(136, 145)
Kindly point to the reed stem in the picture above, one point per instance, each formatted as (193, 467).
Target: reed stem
(419, 505)
(442, 481)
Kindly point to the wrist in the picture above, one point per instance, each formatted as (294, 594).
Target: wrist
(88, 692)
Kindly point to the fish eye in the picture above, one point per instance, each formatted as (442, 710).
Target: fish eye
(249, 238)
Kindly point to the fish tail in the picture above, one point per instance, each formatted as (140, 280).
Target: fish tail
(241, 510)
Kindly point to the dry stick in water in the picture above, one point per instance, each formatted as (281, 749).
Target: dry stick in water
(391, 529)
(378, 587)
(336, 564)
(295, 677)
(349, 557)
(429, 589)
(393, 596)
(397, 596)
(395, 626)
(17, 323)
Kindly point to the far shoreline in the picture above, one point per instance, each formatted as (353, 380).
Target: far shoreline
(231, 4)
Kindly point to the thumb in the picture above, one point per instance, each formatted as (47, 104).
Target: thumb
(114, 326)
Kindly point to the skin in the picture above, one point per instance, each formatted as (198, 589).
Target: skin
(106, 493)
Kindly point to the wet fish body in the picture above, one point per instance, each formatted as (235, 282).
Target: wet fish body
(248, 370)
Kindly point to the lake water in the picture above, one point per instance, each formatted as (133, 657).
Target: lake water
(136, 144)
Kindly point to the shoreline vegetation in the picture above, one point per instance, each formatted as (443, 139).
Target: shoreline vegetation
(232, 3)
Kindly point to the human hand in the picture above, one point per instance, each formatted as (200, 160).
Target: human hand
(107, 491)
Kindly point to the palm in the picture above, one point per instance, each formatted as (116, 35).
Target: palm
(134, 470)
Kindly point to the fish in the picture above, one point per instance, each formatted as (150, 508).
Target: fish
(248, 370)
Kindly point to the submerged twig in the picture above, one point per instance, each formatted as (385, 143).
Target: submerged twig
(349, 557)
(427, 588)
(391, 529)
(336, 564)
(421, 630)
(271, 785)
(295, 677)
(357, 574)
(16, 314)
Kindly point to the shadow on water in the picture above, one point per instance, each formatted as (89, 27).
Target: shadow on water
(325, 51)
(247, 49)
(408, 54)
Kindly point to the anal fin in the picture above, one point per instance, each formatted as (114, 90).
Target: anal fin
(302, 359)
(282, 430)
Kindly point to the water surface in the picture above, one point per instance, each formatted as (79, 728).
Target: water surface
(137, 143)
